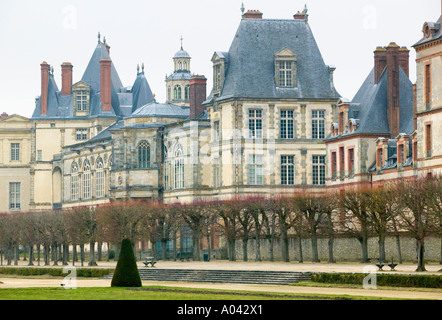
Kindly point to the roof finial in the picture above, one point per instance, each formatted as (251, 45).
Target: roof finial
(181, 42)
(243, 9)
(305, 9)
(104, 40)
(99, 36)
(138, 68)
(142, 67)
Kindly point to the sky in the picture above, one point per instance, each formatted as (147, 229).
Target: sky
(149, 31)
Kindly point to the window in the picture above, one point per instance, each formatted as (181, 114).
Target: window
(39, 155)
(216, 128)
(216, 173)
(255, 123)
(177, 92)
(179, 168)
(318, 170)
(351, 162)
(428, 140)
(15, 151)
(100, 179)
(341, 123)
(318, 124)
(87, 180)
(81, 134)
(341, 162)
(256, 169)
(75, 183)
(287, 124)
(380, 158)
(288, 170)
(217, 77)
(187, 93)
(285, 74)
(166, 176)
(14, 195)
(82, 97)
(427, 84)
(169, 93)
(414, 153)
(143, 155)
(334, 165)
(401, 159)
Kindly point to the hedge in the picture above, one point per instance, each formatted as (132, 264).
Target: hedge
(56, 272)
(388, 280)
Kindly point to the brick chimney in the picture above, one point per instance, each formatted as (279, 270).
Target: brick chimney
(198, 85)
(393, 111)
(105, 84)
(66, 79)
(253, 14)
(4, 115)
(44, 87)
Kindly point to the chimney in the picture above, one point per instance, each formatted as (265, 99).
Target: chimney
(44, 87)
(197, 92)
(393, 111)
(4, 115)
(380, 62)
(253, 14)
(66, 79)
(105, 84)
(404, 60)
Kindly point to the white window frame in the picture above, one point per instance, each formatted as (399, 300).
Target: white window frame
(75, 182)
(318, 170)
(288, 170)
(15, 151)
(100, 179)
(287, 124)
(81, 134)
(255, 123)
(14, 195)
(285, 73)
(86, 178)
(179, 168)
(256, 169)
(318, 124)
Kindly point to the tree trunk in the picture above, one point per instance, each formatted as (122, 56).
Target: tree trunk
(54, 257)
(420, 255)
(196, 248)
(92, 261)
(100, 253)
(24, 253)
(16, 256)
(258, 248)
(284, 246)
(314, 240)
(232, 250)
(209, 247)
(331, 240)
(301, 258)
(164, 249)
(244, 249)
(398, 245)
(381, 242)
(31, 255)
(74, 253)
(271, 253)
(82, 254)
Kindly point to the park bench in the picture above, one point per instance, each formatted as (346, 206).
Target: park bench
(392, 265)
(150, 260)
(185, 256)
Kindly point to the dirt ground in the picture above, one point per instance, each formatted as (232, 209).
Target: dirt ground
(436, 294)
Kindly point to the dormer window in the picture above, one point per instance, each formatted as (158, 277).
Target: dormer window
(219, 69)
(285, 69)
(81, 98)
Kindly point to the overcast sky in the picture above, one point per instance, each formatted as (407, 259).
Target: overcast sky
(149, 31)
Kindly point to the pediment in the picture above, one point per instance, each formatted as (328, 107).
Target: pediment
(286, 53)
(81, 85)
(16, 118)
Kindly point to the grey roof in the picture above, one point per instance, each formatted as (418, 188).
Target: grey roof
(124, 101)
(180, 75)
(436, 26)
(102, 136)
(250, 62)
(162, 110)
(369, 106)
(181, 54)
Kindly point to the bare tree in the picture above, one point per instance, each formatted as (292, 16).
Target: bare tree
(228, 212)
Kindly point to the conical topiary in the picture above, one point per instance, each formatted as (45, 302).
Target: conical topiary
(126, 273)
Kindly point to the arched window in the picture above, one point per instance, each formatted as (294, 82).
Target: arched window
(185, 65)
(177, 92)
(75, 185)
(180, 66)
(100, 179)
(143, 155)
(187, 93)
(169, 93)
(86, 178)
(179, 167)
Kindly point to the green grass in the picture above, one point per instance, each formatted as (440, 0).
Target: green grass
(156, 293)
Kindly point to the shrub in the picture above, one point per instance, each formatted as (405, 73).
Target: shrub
(126, 273)
(55, 272)
(390, 280)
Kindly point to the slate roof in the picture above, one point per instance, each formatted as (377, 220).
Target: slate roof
(124, 100)
(181, 54)
(162, 110)
(369, 106)
(436, 26)
(250, 62)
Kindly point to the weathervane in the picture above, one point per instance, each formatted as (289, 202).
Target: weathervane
(181, 42)
(242, 8)
(99, 36)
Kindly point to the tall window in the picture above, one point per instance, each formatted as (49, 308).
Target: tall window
(400, 155)
(427, 83)
(14, 195)
(75, 183)
(255, 169)
(288, 170)
(428, 140)
(217, 77)
(341, 162)
(87, 177)
(216, 173)
(187, 93)
(287, 124)
(318, 124)
(380, 158)
(179, 168)
(351, 162)
(100, 179)
(319, 170)
(177, 92)
(334, 165)
(217, 131)
(285, 74)
(143, 155)
(82, 100)
(255, 123)
(15, 151)
(81, 134)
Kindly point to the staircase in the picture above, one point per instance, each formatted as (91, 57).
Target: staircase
(222, 276)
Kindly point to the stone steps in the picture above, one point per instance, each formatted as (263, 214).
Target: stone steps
(223, 276)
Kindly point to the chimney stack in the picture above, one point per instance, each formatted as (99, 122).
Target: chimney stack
(253, 14)
(106, 84)
(4, 115)
(66, 79)
(44, 87)
(198, 85)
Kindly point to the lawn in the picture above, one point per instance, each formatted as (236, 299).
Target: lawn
(153, 293)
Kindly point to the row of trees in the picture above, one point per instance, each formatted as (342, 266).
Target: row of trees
(412, 206)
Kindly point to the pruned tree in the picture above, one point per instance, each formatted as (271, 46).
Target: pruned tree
(228, 212)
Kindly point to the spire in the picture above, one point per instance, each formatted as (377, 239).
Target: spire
(243, 9)
(182, 42)
(99, 37)
(305, 9)
(138, 68)
(142, 67)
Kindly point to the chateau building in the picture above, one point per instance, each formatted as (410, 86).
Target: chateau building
(273, 123)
